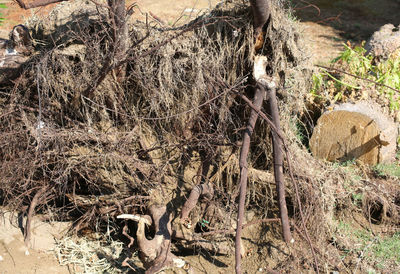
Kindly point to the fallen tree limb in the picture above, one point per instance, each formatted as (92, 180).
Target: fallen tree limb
(31, 212)
(155, 253)
(278, 163)
(258, 100)
(279, 134)
(37, 3)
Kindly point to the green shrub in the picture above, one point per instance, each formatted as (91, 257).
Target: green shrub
(2, 6)
(330, 87)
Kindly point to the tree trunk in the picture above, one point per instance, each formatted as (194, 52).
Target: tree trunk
(119, 35)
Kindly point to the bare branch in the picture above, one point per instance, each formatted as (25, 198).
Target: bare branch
(37, 3)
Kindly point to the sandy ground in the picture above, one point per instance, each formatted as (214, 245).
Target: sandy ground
(39, 258)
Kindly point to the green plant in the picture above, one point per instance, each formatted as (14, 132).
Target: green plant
(388, 249)
(387, 170)
(383, 252)
(357, 198)
(2, 6)
(354, 61)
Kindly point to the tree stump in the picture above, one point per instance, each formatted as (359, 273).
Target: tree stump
(355, 131)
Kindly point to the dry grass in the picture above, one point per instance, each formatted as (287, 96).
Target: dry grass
(107, 154)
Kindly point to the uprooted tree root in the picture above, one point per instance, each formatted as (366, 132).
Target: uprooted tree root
(170, 131)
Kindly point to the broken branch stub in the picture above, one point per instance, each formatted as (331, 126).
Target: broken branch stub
(155, 253)
(198, 191)
(37, 3)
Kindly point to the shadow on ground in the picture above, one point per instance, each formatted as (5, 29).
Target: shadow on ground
(356, 20)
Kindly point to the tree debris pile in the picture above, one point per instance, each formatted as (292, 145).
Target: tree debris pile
(175, 122)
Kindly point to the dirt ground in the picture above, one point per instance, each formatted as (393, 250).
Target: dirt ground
(17, 258)
(326, 24)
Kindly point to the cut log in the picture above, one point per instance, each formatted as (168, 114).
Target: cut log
(355, 131)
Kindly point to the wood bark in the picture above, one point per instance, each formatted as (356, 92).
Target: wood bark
(37, 3)
(261, 13)
(258, 100)
(119, 35)
(31, 212)
(278, 163)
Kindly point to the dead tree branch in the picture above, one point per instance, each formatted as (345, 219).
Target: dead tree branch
(278, 163)
(197, 191)
(31, 212)
(261, 13)
(37, 3)
(258, 100)
(279, 134)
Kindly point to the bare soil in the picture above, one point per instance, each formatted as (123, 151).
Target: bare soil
(17, 258)
(326, 26)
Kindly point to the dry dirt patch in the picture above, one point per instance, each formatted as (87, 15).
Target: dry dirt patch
(17, 258)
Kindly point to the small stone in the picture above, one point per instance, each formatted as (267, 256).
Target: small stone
(27, 252)
(1, 258)
(178, 262)
(398, 116)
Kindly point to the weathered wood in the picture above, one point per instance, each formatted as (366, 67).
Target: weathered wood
(258, 100)
(14, 53)
(273, 111)
(37, 3)
(355, 131)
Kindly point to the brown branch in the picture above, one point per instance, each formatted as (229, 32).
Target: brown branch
(333, 18)
(359, 77)
(158, 19)
(197, 191)
(258, 100)
(261, 13)
(278, 163)
(309, 5)
(31, 211)
(37, 3)
(278, 133)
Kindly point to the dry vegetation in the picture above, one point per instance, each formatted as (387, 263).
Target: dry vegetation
(174, 122)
